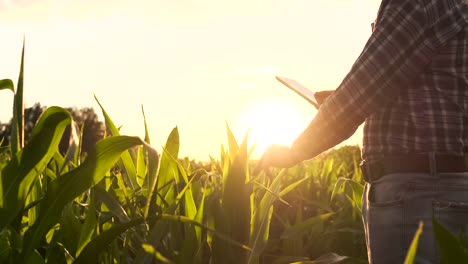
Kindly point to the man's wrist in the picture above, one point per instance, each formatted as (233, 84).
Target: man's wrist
(297, 154)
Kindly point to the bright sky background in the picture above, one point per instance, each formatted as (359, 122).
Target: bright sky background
(194, 64)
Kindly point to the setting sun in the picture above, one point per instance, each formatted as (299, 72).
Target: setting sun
(271, 121)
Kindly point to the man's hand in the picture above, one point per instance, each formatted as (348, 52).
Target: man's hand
(277, 156)
(282, 156)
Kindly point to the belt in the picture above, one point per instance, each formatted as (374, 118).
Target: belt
(417, 163)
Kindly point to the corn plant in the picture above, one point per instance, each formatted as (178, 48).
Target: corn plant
(124, 202)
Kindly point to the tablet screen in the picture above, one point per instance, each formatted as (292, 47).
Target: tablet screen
(299, 89)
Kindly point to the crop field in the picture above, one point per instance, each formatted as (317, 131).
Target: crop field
(123, 202)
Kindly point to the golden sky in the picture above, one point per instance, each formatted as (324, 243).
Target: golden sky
(192, 64)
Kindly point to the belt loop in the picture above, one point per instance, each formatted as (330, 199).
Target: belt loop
(432, 164)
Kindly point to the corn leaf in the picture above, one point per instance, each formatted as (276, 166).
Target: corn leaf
(158, 256)
(17, 130)
(74, 148)
(292, 186)
(34, 196)
(7, 84)
(91, 252)
(330, 258)
(305, 226)
(411, 255)
(141, 167)
(72, 184)
(89, 226)
(186, 220)
(233, 216)
(157, 232)
(261, 219)
(127, 157)
(147, 137)
(451, 250)
(21, 172)
(167, 172)
(112, 203)
(233, 146)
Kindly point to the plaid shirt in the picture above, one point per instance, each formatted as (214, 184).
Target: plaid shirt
(409, 85)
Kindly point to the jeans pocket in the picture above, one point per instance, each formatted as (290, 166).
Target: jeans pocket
(383, 194)
(385, 223)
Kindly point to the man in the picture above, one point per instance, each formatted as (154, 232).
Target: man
(410, 87)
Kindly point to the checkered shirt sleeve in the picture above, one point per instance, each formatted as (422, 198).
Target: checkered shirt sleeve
(409, 85)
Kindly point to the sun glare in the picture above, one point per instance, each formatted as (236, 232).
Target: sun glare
(272, 121)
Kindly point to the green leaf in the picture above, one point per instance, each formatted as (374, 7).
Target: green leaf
(7, 84)
(147, 138)
(33, 197)
(261, 218)
(234, 215)
(70, 228)
(141, 167)
(158, 256)
(330, 258)
(160, 229)
(292, 186)
(199, 217)
(167, 172)
(451, 250)
(89, 226)
(10, 244)
(411, 255)
(74, 148)
(305, 226)
(90, 253)
(127, 157)
(186, 220)
(112, 203)
(75, 182)
(36, 258)
(21, 172)
(17, 130)
(233, 146)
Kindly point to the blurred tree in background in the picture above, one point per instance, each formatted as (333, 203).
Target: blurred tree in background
(85, 119)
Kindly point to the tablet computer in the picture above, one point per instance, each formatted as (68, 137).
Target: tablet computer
(299, 89)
